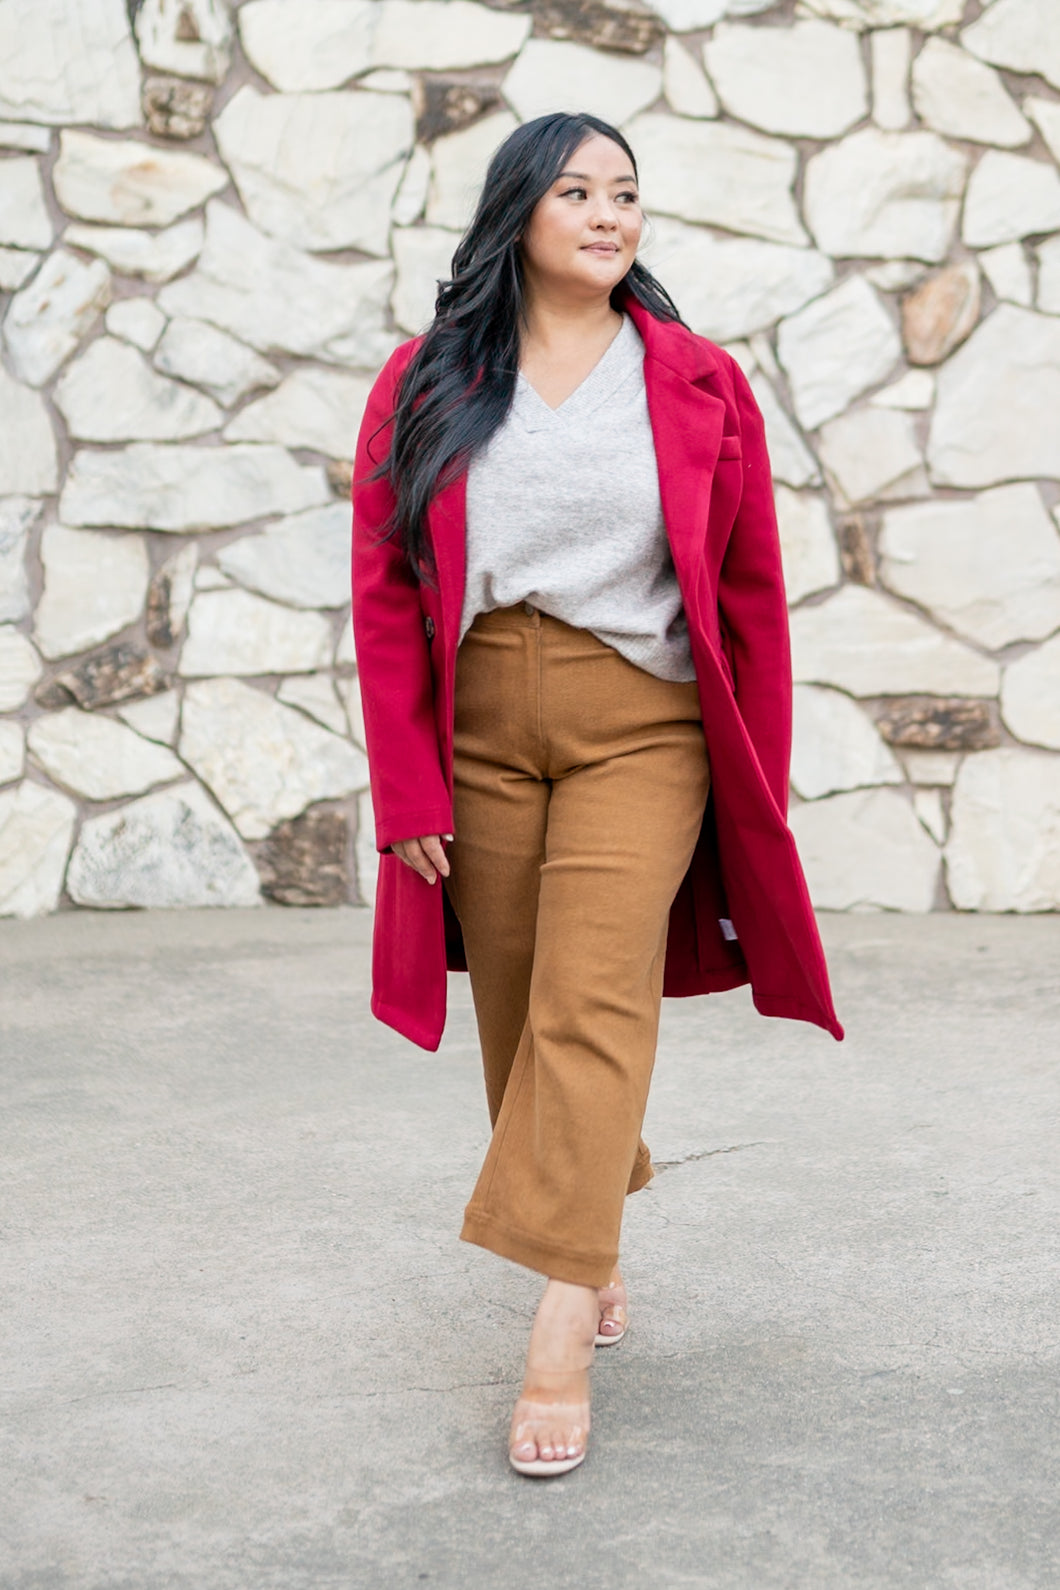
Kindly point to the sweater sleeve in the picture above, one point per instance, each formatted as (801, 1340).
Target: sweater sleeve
(410, 796)
(753, 607)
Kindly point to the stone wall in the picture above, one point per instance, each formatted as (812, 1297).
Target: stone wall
(215, 222)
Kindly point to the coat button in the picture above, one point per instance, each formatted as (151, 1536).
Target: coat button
(428, 624)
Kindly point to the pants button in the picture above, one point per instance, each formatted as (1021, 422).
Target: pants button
(528, 608)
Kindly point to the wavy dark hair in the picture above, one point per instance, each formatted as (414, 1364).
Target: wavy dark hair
(458, 387)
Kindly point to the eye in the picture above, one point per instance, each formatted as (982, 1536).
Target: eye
(631, 198)
(569, 193)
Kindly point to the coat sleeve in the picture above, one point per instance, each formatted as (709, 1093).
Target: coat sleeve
(753, 607)
(410, 796)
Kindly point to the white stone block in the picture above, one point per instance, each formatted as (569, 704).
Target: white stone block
(156, 717)
(807, 545)
(687, 89)
(931, 767)
(93, 756)
(860, 641)
(835, 348)
(924, 14)
(303, 561)
(311, 408)
(961, 97)
(172, 487)
(1006, 269)
(411, 196)
(885, 195)
(1004, 847)
(1049, 276)
(872, 455)
(866, 851)
(191, 38)
(730, 287)
(228, 369)
(1030, 696)
(63, 63)
(111, 394)
(154, 256)
(913, 392)
(366, 857)
(1009, 197)
(19, 668)
(136, 320)
(16, 268)
(349, 690)
(29, 463)
(315, 695)
(263, 761)
(790, 459)
(345, 655)
(94, 585)
(169, 851)
(445, 35)
(987, 566)
(317, 170)
(835, 745)
(423, 256)
(12, 752)
(24, 135)
(36, 828)
(927, 803)
(803, 81)
(688, 16)
(24, 218)
(127, 183)
(233, 632)
(277, 298)
(306, 47)
(1045, 114)
(997, 400)
(895, 275)
(46, 320)
(891, 49)
(719, 174)
(18, 515)
(458, 166)
(1023, 35)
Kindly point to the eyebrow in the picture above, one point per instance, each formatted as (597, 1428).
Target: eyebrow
(584, 177)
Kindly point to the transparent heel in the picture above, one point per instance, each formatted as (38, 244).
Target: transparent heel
(550, 1425)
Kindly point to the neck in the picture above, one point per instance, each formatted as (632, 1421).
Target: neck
(552, 320)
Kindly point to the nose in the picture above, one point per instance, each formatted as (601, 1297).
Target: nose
(605, 216)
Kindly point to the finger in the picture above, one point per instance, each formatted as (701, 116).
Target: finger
(432, 846)
(412, 854)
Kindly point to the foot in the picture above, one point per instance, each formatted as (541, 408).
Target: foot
(550, 1425)
(612, 1305)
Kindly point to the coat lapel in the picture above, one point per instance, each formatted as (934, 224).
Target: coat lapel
(687, 424)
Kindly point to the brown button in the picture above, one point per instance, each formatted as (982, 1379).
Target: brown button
(428, 624)
(528, 607)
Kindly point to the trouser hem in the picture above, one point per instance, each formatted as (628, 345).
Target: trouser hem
(555, 1261)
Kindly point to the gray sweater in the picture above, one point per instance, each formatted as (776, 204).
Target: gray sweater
(563, 511)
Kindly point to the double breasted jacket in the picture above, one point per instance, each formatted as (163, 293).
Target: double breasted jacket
(742, 913)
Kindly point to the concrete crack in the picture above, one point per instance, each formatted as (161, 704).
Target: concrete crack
(706, 1153)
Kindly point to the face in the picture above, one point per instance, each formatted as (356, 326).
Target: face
(583, 235)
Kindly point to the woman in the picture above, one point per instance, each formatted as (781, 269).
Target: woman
(571, 631)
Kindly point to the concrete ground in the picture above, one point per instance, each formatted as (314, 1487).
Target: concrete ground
(244, 1350)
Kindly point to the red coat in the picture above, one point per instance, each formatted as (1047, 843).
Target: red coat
(717, 502)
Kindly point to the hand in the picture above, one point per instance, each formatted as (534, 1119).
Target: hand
(424, 855)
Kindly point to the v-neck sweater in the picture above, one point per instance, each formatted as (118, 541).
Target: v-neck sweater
(564, 512)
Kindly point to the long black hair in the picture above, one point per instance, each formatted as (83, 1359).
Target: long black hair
(458, 387)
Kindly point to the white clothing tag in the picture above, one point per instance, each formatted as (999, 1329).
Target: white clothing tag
(727, 929)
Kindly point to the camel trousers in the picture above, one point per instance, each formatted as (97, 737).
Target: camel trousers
(580, 782)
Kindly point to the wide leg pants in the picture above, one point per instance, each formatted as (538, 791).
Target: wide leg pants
(580, 785)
